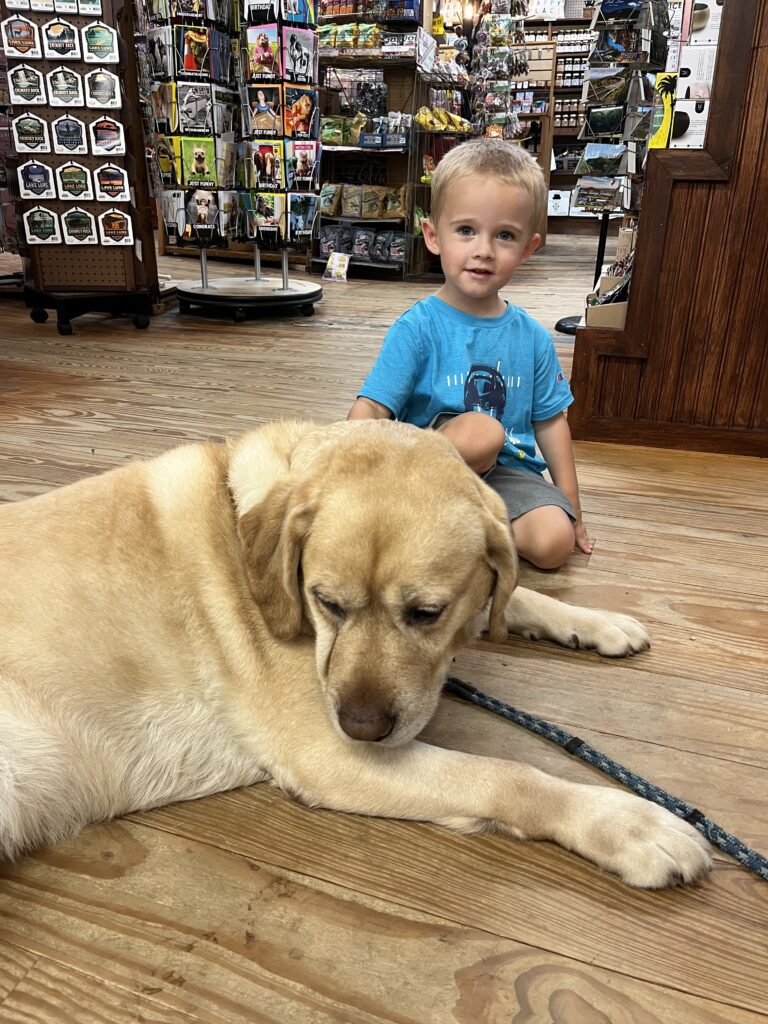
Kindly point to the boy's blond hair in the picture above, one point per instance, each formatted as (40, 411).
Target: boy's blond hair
(491, 158)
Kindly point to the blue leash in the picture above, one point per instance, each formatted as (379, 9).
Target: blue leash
(751, 859)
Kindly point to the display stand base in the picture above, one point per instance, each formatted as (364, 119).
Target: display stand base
(241, 296)
(68, 305)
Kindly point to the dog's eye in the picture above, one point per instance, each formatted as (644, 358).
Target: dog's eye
(423, 616)
(330, 606)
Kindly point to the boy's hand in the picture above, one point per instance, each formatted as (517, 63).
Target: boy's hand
(583, 543)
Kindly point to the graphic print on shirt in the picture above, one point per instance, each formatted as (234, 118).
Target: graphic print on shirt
(485, 390)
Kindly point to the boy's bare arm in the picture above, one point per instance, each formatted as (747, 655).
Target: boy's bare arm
(553, 436)
(367, 409)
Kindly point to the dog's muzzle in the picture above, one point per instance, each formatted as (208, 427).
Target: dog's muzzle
(364, 722)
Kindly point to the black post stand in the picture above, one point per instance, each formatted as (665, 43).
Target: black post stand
(570, 324)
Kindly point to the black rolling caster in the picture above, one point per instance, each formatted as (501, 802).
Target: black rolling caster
(38, 315)
(141, 321)
(64, 327)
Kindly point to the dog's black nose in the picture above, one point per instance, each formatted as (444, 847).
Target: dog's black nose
(362, 722)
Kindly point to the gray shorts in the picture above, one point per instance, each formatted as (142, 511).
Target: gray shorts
(520, 490)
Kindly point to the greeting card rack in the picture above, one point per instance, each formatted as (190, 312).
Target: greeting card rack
(80, 180)
(236, 140)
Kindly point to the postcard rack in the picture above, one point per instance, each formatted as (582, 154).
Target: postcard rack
(84, 223)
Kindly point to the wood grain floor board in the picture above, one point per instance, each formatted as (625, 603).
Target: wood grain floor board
(363, 921)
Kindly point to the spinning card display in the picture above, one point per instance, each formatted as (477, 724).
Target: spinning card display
(21, 38)
(263, 53)
(79, 227)
(107, 137)
(41, 226)
(265, 110)
(65, 88)
(300, 55)
(202, 210)
(99, 44)
(301, 163)
(73, 181)
(265, 215)
(36, 181)
(300, 113)
(115, 228)
(69, 136)
(61, 40)
(264, 167)
(111, 184)
(25, 84)
(102, 90)
(30, 134)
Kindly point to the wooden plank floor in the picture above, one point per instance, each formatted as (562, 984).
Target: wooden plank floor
(248, 909)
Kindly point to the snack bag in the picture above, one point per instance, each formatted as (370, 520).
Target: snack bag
(329, 239)
(362, 244)
(395, 202)
(381, 244)
(326, 36)
(428, 165)
(356, 125)
(374, 197)
(397, 247)
(351, 200)
(345, 239)
(332, 131)
(330, 198)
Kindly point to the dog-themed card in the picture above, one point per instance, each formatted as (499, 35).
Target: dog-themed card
(301, 212)
(192, 51)
(265, 111)
(198, 162)
(201, 210)
(300, 55)
(301, 165)
(300, 117)
(264, 169)
(263, 53)
(265, 216)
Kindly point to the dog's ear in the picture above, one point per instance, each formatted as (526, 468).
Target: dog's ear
(502, 558)
(272, 534)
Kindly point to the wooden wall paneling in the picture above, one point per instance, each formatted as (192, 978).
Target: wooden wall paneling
(703, 342)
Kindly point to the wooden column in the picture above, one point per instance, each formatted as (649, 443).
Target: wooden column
(689, 369)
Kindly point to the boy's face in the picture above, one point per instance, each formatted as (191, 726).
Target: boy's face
(483, 236)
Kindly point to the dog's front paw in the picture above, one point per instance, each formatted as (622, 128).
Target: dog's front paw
(612, 634)
(646, 846)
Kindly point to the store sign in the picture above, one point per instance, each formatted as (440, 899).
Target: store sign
(69, 136)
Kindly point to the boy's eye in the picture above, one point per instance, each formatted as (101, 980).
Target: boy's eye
(465, 230)
(506, 236)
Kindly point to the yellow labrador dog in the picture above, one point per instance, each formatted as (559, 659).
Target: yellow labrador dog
(283, 608)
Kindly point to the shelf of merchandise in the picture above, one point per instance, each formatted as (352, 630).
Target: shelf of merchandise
(362, 164)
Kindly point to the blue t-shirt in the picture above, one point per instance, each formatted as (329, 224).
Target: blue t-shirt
(437, 359)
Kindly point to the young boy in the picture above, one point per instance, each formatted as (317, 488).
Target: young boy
(465, 362)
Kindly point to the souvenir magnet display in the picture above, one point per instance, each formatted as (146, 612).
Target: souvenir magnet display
(79, 227)
(115, 228)
(102, 90)
(61, 40)
(90, 8)
(36, 180)
(42, 6)
(69, 136)
(41, 226)
(17, 5)
(99, 44)
(111, 184)
(30, 134)
(107, 137)
(65, 87)
(25, 84)
(20, 38)
(73, 181)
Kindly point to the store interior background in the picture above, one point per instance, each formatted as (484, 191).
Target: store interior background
(247, 907)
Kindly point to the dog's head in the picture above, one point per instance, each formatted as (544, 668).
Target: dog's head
(198, 154)
(382, 543)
